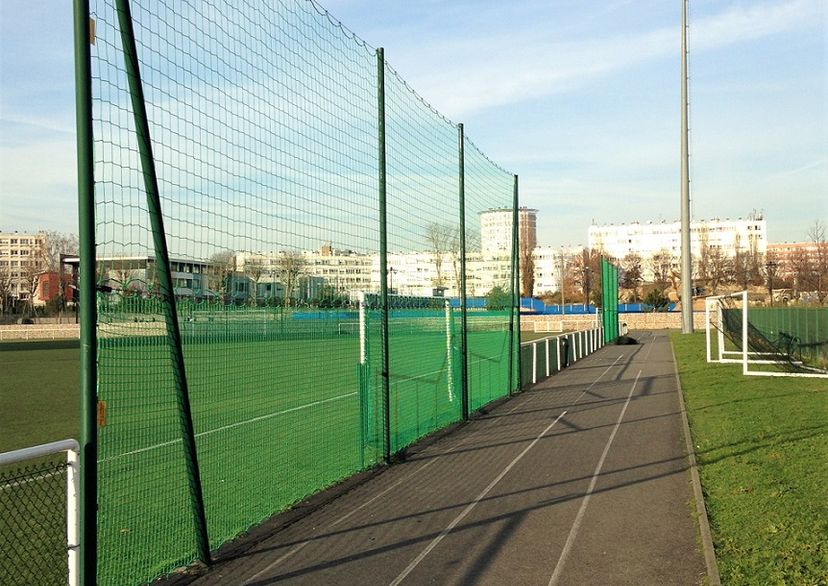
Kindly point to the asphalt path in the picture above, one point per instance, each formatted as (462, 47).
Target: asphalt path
(582, 479)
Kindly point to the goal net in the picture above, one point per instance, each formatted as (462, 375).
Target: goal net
(737, 333)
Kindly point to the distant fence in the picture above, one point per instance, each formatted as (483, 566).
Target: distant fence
(539, 307)
(266, 128)
(39, 332)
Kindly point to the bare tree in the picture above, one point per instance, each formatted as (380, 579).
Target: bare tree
(526, 262)
(718, 268)
(801, 267)
(661, 264)
(56, 244)
(30, 272)
(221, 268)
(817, 235)
(585, 270)
(632, 275)
(455, 253)
(703, 259)
(5, 286)
(255, 269)
(289, 267)
(439, 237)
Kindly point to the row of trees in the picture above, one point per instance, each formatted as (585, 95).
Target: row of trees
(802, 271)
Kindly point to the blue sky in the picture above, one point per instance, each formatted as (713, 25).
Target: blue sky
(581, 99)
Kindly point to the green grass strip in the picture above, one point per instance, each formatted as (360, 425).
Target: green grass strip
(762, 449)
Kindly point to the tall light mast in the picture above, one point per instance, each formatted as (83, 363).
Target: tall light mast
(686, 261)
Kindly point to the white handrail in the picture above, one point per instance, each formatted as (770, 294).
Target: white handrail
(72, 449)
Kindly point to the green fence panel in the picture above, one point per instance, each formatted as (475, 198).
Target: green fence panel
(609, 300)
(264, 131)
(488, 195)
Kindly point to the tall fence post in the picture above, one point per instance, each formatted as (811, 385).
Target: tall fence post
(464, 339)
(162, 261)
(386, 382)
(87, 513)
(514, 314)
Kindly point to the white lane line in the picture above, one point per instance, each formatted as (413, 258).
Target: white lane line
(301, 545)
(470, 506)
(600, 376)
(576, 525)
(230, 426)
(650, 349)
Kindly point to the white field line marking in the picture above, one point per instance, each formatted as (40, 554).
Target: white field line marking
(404, 378)
(470, 506)
(34, 478)
(299, 546)
(650, 349)
(576, 525)
(230, 426)
(600, 376)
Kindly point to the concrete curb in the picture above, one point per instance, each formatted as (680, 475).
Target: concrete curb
(704, 523)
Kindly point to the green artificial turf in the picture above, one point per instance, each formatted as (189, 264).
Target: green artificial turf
(762, 449)
(280, 411)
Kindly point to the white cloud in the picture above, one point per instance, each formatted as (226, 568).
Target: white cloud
(516, 70)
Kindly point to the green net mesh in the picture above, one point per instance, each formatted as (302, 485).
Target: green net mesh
(264, 128)
(489, 275)
(794, 337)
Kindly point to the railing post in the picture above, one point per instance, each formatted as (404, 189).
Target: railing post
(534, 362)
(162, 261)
(381, 158)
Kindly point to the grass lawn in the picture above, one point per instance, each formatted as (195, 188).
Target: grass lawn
(762, 448)
(39, 393)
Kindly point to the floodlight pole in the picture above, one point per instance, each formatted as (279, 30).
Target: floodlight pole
(686, 261)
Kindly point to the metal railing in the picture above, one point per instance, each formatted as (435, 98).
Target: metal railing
(544, 357)
(34, 535)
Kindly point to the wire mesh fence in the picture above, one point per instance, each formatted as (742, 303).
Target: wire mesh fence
(258, 169)
(38, 515)
(33, 524)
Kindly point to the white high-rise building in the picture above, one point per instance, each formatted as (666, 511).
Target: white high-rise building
(496, 230)
(647, 239)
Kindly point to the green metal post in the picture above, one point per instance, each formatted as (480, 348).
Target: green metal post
(386, 382)
(162, 261)
(464, 338)
(87, 516)
(514, 314)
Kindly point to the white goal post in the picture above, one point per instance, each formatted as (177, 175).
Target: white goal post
(714, 320)
(72, 450)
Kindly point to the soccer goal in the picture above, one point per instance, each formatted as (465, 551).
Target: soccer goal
(39, 489)
(731, 336)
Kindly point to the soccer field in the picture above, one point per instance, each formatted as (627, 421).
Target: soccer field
(278, 416)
